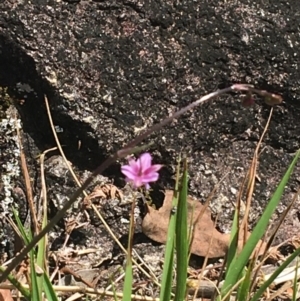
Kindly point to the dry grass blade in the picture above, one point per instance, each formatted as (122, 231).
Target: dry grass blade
(252, 177)
(91, 291)
(280, 291)
(249, 193)
(282, 217)
(67, 164)
(74, 297)
(29, 193)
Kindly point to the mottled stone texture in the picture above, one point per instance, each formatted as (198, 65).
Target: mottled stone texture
(109, 68)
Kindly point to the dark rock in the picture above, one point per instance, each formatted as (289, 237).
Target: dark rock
(109, 68)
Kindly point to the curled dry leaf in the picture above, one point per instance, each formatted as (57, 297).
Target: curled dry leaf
(105, 191)
(109, 191)
(207, 240)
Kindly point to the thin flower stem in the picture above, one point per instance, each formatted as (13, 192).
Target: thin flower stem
(119, 154)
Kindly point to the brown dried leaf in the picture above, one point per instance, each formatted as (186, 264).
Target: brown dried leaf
(115, 193)
(207, 240)
(98, 192)
(105, 191)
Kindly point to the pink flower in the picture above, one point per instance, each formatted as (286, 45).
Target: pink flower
(140, 172)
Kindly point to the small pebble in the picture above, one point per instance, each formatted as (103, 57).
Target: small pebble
(233, 190)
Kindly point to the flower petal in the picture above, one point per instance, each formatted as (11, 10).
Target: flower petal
(145, 162)
(129, 172)
(155, 167)
(137, 182)
(150, 177)
(135, 164)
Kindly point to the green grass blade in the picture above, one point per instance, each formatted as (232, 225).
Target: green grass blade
(41, 256)
(267, 283)
(167, 275)
(48, 288)
(43, 281)
(25, 238)
(127, 290)
(33, 276)
(20, 227)
(238, 264)
(35, 292)
(295, 284)
(35, 296)
(166, 282)
(232, 250)
(244, 288)
(24, 291)
(182, 243)
(233, 245)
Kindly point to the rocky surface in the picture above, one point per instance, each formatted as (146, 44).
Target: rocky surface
(111, 68)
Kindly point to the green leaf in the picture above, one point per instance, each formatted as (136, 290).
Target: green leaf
(20, 227)
(295, 284)
(48, 288)
(167, 275)
(41, 257)
(232, 250)
(182, 241)
(24, 291)
(244, 288)
(127, 290)
(36, 295)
